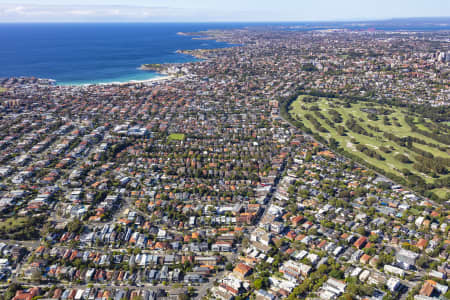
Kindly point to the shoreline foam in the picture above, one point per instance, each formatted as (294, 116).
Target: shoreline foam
(154, 79)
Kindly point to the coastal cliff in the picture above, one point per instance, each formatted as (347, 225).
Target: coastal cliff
(153, 67)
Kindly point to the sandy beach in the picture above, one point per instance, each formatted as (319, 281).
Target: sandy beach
(151, 80)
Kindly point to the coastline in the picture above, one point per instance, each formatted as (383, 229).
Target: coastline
(153, 72)
(158, 68)
(162, 78)
(119, 62)
(157, 79)
(150, 80)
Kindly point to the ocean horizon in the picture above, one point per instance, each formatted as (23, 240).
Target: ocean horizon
(95, 53)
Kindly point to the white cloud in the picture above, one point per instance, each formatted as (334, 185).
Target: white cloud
(120, 13)
(79, 12)
(114, 12)
(14, 10)
(73, 13)
(214, 10)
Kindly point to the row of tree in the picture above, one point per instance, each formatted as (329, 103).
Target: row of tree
(412, 180)
(369, 152)
(442, 138)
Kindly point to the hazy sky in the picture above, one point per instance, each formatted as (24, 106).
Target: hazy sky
(216, 10)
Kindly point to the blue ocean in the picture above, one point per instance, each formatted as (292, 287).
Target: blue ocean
(75, 54)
